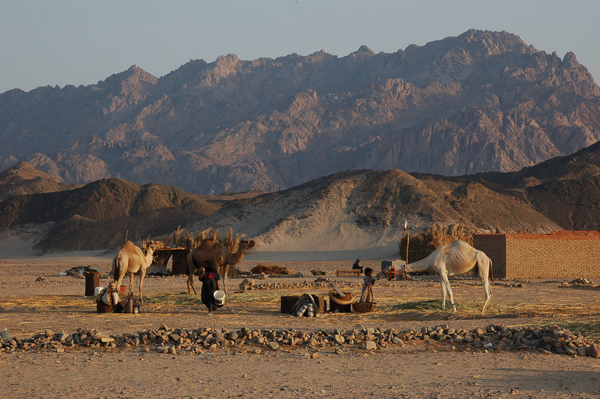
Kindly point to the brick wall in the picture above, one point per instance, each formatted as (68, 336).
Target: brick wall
(562, 254)
(494, 246)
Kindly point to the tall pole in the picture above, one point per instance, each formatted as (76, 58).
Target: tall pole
(407, 238)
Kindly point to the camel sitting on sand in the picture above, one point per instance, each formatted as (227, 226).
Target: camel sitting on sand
(133, 260)
(457, 258)
(218, 255)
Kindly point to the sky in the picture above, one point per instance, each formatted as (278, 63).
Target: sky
(83, 42)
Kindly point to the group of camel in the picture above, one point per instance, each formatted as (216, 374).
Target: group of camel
(135, 260)
(456, 258)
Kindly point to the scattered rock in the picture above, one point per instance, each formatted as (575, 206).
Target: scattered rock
(370, 345)
(594, 351)
(247, 284)
(339, 339)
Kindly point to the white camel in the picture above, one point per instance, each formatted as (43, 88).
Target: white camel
(131, 259)
(457, 258)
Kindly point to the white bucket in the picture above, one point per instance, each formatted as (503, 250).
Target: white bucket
(219, 297)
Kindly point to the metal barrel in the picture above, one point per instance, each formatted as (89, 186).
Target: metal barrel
(92, 280)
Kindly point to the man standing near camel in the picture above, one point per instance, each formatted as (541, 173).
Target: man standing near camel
(210, 283)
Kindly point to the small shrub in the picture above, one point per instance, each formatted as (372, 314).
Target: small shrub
(271, 270)
(423, 243)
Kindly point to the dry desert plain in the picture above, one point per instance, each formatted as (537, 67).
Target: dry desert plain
(35, 298)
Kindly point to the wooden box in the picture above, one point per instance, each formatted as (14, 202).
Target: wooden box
(101, 307)
(336, 307)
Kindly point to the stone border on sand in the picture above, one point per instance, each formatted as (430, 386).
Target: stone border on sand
(548, 340)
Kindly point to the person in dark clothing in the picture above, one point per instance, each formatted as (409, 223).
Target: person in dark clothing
(357, 266)
(210, 283)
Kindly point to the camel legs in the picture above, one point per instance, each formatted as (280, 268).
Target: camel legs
(445, 283)
(190, 284)
(131, 277)
(142, 275)
(225, 273)
(484, 267)
(488, 291)
(443, 287)
(191, 273)
(488, 294)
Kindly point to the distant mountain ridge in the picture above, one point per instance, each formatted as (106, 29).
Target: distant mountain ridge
(482, 101)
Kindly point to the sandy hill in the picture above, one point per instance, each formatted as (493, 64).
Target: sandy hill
(23, 178)
(361, 213)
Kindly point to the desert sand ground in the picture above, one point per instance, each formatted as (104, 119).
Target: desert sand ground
(34, 297)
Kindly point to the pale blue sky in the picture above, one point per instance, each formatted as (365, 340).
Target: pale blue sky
(82, 42)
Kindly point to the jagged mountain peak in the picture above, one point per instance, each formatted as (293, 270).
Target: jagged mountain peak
(495, 42)
(227, 60)
(318, 57)
(363, 51)
(133, 74)
(478, 102)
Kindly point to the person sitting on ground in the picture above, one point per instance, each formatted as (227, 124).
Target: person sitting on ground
(367, 289)
(357, 266)
(210, 283)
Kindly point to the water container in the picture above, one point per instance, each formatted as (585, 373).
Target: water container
(219, 297)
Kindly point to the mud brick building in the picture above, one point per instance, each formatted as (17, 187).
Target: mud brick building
(561, 254)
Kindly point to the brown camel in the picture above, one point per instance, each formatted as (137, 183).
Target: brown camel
(218, 255)
(131, 259)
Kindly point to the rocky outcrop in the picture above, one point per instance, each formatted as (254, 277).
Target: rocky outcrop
(482, 101)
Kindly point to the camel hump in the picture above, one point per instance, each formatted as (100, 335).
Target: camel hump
(128, 246)
(207, 243)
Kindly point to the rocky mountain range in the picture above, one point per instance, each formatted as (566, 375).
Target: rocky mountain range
(482, 101)
(354, 212)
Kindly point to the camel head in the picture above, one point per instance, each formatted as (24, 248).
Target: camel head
(245, 245)
(390, 271)
(148, 247)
